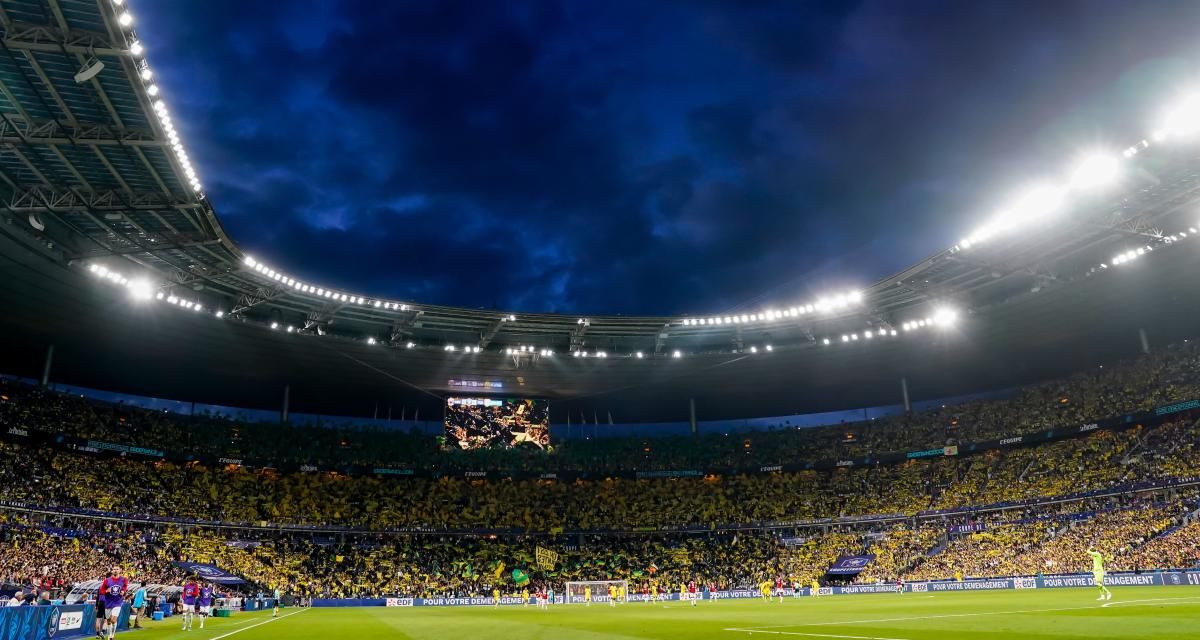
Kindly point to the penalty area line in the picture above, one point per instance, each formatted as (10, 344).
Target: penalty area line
(811, 635)
(268, 621)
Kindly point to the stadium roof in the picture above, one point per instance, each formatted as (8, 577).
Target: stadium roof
(97, 189)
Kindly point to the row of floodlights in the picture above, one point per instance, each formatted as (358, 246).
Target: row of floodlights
(1134, 254)
(1095, 170)
(836, 303)
(125, 19)
(320, 291)
(141, 289)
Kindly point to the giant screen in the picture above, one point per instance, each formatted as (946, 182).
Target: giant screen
(485, 423)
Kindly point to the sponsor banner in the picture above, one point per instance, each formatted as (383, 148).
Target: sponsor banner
(209, 572)
(1124, 580)
(55, 622)
(735, 594)
(972, 585)
(1177, 407)
(928, 453)
(850, 565)
(793, 541)
(1025, 583)
(387, 471)
(679, 473)
(863, 588)
(125, 448)
(966, 528)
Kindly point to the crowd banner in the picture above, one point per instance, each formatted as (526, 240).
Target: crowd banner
(52, 622)
(209, 572)
(850, 565)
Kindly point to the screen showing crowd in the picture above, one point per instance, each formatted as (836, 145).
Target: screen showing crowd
(485, 423)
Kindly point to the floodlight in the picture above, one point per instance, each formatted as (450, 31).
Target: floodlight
(676, 354)
(753, 349)
(410, 345)
(770, 348)
(825, 341)
(274, 325)
(1184, 118)
(945, 317)
(136, 48)
(220, 314)
(125, 19)
(639, 355)
(1095, 170)
(370, 340)
(141, 289)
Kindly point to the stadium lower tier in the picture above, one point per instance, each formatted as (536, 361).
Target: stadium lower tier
(1133, 532)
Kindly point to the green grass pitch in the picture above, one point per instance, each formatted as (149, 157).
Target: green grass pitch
(1142, 612)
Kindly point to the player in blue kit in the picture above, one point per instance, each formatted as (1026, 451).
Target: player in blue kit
(204, 603)
(112, 591)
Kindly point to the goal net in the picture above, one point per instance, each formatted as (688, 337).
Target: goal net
(577, 592)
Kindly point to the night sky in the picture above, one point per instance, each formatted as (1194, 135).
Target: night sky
(642, 157)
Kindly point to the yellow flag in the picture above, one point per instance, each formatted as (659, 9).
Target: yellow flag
(546, 559)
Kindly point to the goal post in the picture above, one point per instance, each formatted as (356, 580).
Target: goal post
(577, 592)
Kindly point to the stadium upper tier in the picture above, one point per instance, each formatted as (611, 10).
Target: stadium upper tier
(103, 205)
(1140, 388)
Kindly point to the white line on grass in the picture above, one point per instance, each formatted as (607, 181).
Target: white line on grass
(1135, 603)
(1161, 601)
(259, 624)
(814, 635)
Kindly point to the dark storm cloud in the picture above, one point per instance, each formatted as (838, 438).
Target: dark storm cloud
(639, 157)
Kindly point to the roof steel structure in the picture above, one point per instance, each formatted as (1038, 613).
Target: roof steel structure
(92, 173)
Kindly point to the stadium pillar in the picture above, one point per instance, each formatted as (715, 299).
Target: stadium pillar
(46, 366)
(287, 392)
(904, 392)
(692, 414)
(1145, 341)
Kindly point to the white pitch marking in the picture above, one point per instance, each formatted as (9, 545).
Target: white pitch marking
(954, 615)
(259, 624)
(815, 635)
(1161, 600)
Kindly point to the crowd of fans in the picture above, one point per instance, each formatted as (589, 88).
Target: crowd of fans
(1046, 504)
(1098, 461)
(1170, 375)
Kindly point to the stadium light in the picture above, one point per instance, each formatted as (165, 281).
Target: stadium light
(640, 355)
(219, 313)
(137, 49)
(370, 340)
(1096, 170)
(676, 354)
(825, 341)
(125, 19)
(141, 289)
(945, 317)
(274, 325)
(753, 349)
(1183, 119)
